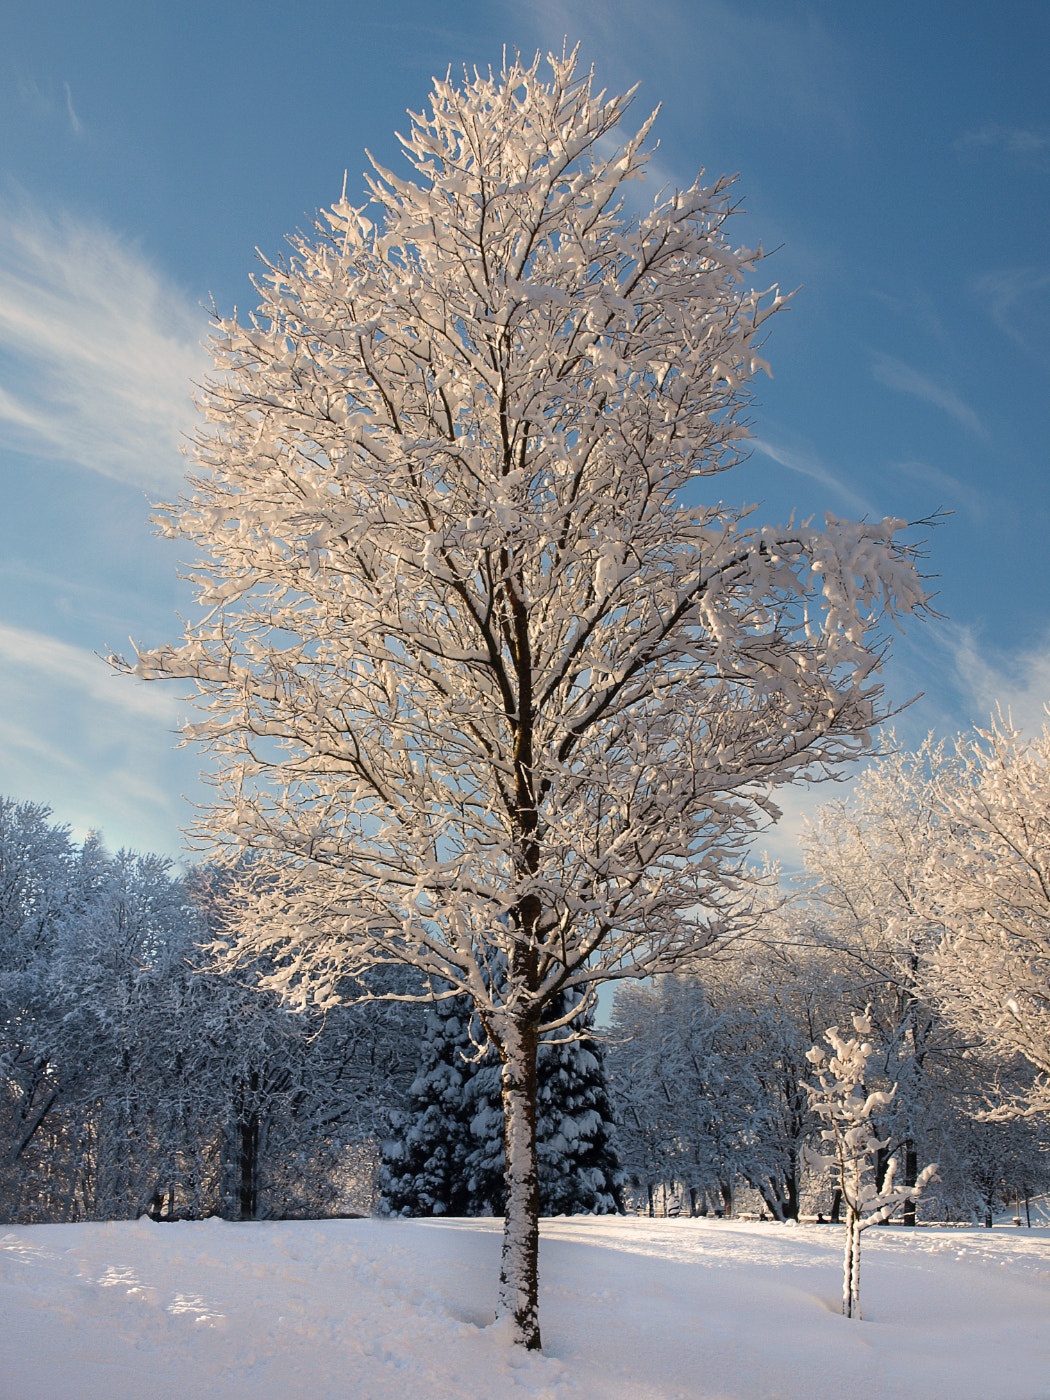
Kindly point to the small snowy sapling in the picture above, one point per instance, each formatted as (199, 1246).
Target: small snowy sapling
(842, 1101)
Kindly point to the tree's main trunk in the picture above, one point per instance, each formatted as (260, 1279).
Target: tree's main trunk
(519, 1269)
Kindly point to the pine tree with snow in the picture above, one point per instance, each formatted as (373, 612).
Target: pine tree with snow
(493, 692)
(447, 1154)
(579, 1170)
(424, 1170)
(579, 1166)
(841, 1100)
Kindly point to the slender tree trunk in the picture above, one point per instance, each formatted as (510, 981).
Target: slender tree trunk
(851, 1266)
(240, 1191)
(248, 1184)
(882, 1162)
(911, 1171)
(519, 1270)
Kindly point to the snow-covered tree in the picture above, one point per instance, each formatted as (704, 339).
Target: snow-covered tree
(131, 1082)
(47, 887)
(683, 1099)
(987, 887)
(484, 683)
(841, 1098)
(866, 859)
(706, 1073)
(577, 1162)
(579, 1166)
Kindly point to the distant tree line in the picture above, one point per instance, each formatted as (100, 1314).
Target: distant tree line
(926, 904)
(134, 1082)
(133, 1079)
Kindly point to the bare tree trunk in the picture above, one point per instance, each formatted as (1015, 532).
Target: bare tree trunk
(248, 1164)
(911, 1171)
(882, 1162)
(519, 1269)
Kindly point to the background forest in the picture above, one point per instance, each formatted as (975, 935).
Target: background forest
(137, 1081)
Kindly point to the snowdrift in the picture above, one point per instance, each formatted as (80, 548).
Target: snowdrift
(630, 1309)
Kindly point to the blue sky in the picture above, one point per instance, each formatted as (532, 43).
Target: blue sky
(897, 157)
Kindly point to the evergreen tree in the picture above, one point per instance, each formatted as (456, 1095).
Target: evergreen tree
(579, 1166)
(424, 1165)
(448, 1156)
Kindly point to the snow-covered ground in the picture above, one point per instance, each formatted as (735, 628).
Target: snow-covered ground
(630, 1309)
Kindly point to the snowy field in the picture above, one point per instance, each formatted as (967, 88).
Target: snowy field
(631, 1309)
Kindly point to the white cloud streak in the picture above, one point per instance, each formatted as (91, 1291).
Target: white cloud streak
(58, 663)
(1015, 299)
(98, 351)
(75, 124)
(1017, 683)
(806, 464)
(1030, 147)
(734, 60)
(974, 683)
(895, 374)
(98, 748)
(952, 492)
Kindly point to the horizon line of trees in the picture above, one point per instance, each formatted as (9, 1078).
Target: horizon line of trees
(136, 1080)
(926, 903)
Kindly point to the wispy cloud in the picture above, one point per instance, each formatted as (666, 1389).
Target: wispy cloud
(96, 747)
(1027, 145)
(975, 680)
(98, 350)
(1015, 298)
(792, 69)
(60, 663)
(808, 464)
(988, 678)
(895, 374)
(75, 124)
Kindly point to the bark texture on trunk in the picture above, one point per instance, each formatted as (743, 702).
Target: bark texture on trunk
(519, 1269)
